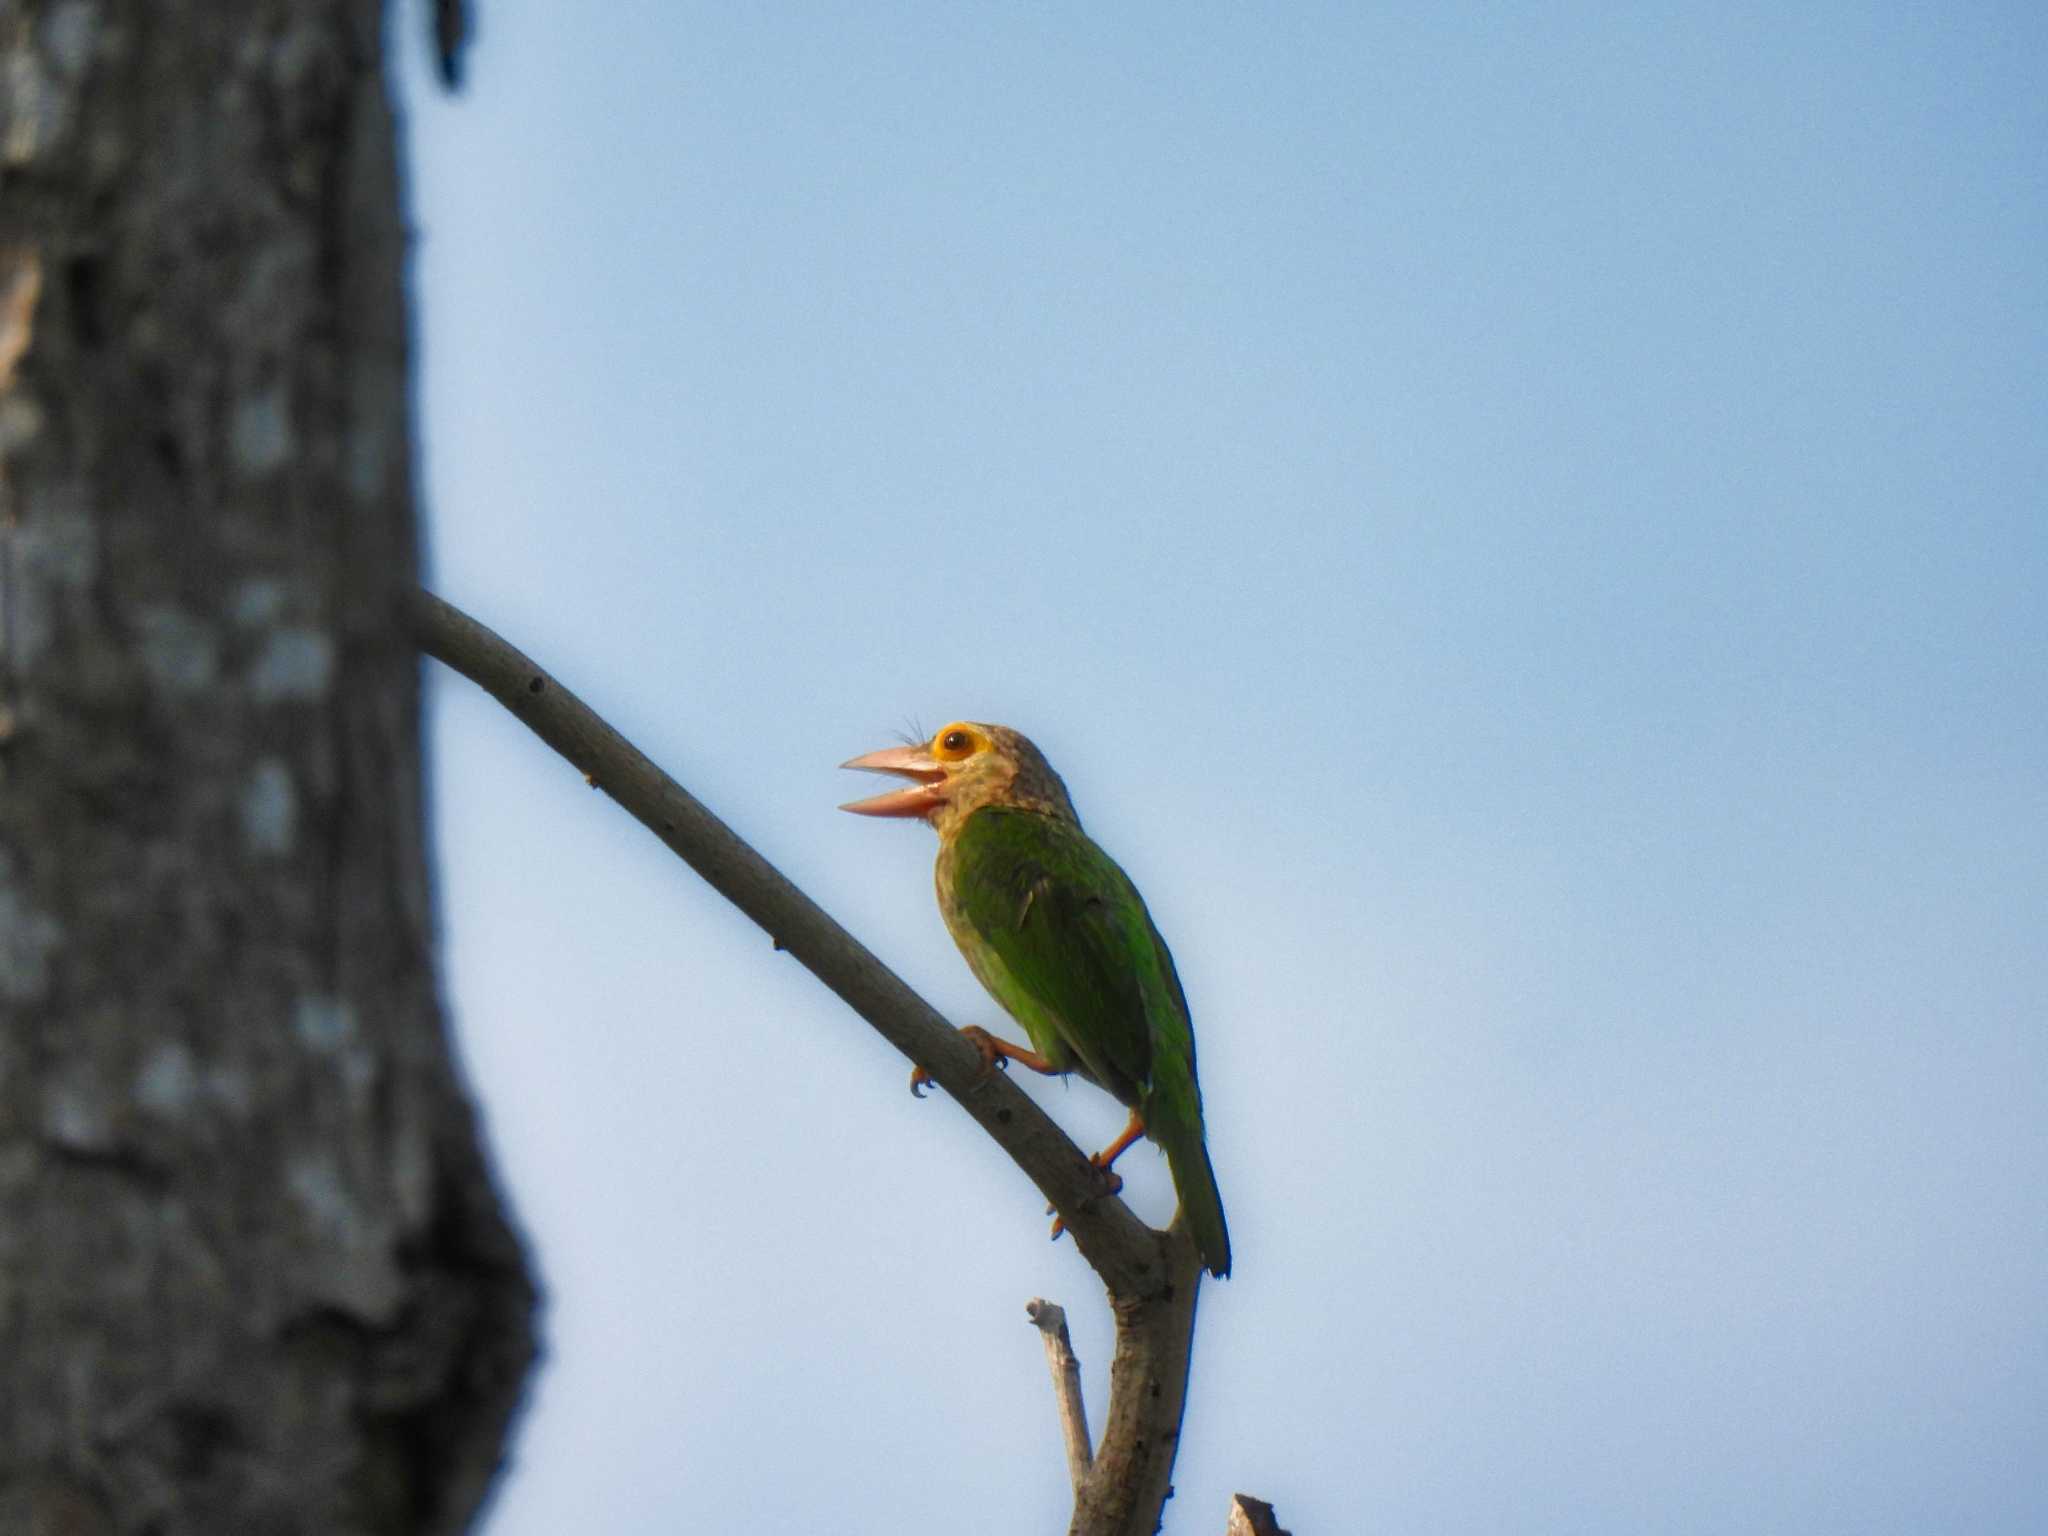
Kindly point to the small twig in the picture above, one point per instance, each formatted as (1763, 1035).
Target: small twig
(1050, 1319)
(1252, 1517)
(452, 29)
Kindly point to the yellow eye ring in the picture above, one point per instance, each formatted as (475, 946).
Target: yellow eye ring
(954, 743)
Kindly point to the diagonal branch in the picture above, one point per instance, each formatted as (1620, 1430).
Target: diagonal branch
(1123, 1250)
(1151, 1276)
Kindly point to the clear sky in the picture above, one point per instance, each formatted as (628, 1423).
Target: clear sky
(1524, 530)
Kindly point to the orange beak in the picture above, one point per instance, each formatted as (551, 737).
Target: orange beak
(920, 799)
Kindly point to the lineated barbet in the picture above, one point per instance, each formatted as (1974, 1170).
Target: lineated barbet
(1061, 938)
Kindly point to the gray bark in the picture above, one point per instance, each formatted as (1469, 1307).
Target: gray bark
(1050, 1319)
(254, 1276)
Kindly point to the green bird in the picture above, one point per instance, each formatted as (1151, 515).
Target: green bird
(1061, 938)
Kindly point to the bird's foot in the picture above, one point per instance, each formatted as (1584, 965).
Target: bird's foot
(1112, 1184)
(995, 1056)
(1112, 1181)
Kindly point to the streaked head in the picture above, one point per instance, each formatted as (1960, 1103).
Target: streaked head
(965, 766)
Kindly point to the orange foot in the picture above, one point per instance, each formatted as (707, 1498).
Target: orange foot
(995, 1054)
(1101, 1162)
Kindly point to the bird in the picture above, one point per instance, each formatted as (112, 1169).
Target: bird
(1060, 937)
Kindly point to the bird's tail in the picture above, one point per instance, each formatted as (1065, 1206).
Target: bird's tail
(1201, 1202)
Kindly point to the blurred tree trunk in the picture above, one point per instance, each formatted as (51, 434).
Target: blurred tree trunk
(254, 1277)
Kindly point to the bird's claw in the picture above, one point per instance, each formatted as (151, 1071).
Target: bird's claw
(982, 1041)
(1112, 1184)
(992, 1059)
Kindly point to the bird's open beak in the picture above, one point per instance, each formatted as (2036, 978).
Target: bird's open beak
(920, 799)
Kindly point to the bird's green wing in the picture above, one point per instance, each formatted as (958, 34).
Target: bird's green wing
(1078, 962)
(1077, 952)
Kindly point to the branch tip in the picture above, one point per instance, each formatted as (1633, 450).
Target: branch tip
(1050, 1319)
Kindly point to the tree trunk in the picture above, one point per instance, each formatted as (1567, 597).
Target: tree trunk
(254, 1277)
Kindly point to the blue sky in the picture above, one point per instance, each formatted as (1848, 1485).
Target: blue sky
(1524, 532)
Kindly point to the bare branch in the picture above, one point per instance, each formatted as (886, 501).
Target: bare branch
(1050, 1319)
(1122, 1249)
(1151, 1276)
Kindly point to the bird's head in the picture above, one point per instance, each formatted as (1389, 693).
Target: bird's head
(964, 767)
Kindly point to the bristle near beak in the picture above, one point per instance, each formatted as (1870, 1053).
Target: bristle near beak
(920, 799)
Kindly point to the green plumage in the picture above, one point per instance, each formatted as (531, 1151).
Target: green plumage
(1061, 938)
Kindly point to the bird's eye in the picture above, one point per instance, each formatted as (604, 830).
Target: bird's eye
(955, 741)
